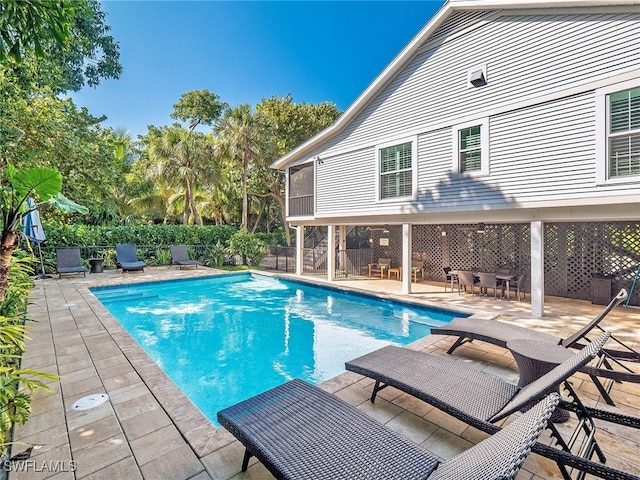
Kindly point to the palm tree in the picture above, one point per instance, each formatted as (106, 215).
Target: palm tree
(240, 131)
(181, 158)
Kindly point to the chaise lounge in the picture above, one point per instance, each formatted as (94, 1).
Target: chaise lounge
(127, 257)
(480, 399)
(300, 431)
(500, 333)
(68, 261)
(180, 256)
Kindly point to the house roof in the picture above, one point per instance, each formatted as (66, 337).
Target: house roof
(406, 54)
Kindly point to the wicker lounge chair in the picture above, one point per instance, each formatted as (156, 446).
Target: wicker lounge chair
(127, 257)
(68, 261)
(180, 256)
(299, 431)
(480, 399)
(499, 333)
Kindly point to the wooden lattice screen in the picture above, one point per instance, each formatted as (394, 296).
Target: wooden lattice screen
(574, 252)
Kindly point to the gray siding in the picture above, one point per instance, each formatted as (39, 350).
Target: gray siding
(345, 182)
(542, 152)
(526, 56)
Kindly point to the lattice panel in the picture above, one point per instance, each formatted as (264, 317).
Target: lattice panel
(575, 252)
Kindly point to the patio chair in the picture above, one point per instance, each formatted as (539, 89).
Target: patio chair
(380, 268)
(68, 261)
(298, 430)
(480, 399)
(417, 270)
(180, 256)
(466, 279)
(517, 286)
(127, 257)
(499, 333)
(449, 278)
(487, 281)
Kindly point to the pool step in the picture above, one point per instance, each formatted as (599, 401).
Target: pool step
(122, 296)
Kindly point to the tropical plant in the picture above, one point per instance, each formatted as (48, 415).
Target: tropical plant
(215, 256)
(43, 184)
(239, 129)
(182, 158)
(16, 384)
(163, 256)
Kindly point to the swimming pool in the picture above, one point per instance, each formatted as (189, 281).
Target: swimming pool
(226, 338)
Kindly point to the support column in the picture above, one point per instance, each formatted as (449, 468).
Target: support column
(406, 258)
(331, 253)
(342, 248)
(299, 250)
(537, 268)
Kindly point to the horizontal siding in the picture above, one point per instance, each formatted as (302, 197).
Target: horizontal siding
(545, 152)
(525, 56)
(346, 182)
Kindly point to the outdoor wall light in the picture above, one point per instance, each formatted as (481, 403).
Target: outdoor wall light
(319, 161)
(480, 228)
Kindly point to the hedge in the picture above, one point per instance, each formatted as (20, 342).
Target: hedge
(61, 235)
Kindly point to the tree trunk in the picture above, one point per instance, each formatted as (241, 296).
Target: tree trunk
(7, 247)
(245, 198)
(263, 201)
(196, 215)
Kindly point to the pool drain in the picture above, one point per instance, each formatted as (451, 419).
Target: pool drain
(90, 401)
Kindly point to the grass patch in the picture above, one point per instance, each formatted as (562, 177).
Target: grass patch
(236, 268)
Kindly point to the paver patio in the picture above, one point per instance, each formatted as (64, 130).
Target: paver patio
(148, 429)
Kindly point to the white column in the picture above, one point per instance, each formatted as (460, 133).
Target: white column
(299, 249)
(537, 268)
(406, 258)
(331, 253)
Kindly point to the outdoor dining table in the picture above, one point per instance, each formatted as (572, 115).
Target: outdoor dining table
(505, 277)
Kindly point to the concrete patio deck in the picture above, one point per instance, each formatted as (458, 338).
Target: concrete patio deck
(148, 429)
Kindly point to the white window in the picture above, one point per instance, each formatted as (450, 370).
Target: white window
(618, 132)
(623, 135)
(471, 148)
(396, 170)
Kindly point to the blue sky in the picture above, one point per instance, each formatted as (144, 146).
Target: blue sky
(245, 51)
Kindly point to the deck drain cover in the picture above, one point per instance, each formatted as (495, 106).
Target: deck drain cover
(91, 401)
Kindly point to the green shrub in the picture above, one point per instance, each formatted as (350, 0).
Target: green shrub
(249, 246)
(215, 255)
(16, 384)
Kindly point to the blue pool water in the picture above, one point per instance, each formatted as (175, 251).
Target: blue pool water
(226, 338)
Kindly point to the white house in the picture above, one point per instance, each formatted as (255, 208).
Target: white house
(503, 113)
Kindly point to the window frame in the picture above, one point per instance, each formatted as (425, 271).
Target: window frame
(602, 133)
(413, 140)
(483, 123)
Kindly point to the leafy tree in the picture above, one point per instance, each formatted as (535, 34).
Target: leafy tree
(198, 107)
(240, 131)
(61, 45)
(288, 125)
(31, 26)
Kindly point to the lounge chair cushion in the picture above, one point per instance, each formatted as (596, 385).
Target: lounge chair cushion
(127, 257)
(68, 261)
